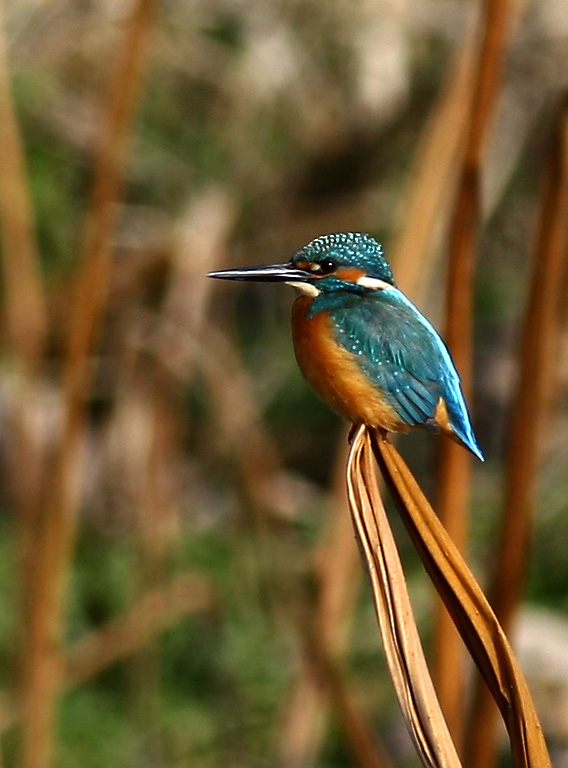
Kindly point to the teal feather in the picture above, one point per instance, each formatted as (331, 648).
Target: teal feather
(401, 354)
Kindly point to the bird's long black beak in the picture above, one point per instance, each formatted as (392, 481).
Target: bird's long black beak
(271, 273)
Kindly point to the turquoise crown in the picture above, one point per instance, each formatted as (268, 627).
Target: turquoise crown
(348, 249)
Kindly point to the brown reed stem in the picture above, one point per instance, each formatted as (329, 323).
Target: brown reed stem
(536, 354)
(403, 649)
(336, 571)
(433, 177)
(469, 608)
(43, 668)
(362, 742)
(23, 293)
(25, 318)
(455, 463)
(155, 522)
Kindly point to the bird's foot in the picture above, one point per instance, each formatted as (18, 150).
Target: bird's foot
(352, 430)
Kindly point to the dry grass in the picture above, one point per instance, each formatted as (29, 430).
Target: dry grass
(455, 464)
(469, 608)
(539, 343)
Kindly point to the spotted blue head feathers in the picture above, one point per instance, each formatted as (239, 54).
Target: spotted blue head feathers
(346, 249)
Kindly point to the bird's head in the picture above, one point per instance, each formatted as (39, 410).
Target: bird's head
(343, 261)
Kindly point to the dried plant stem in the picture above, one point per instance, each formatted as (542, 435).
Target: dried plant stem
(301, 728)
(337, 576)
(337, 568)
(433, 176)
(449, 666)
(25, 317)
(156, 523)
(203, 233)
(469, 609)
(42, 673)
(401, 640)
(161, 607)
(455, 463)
(237, 417)
(365, 747)
(23, 295)
(538, 343)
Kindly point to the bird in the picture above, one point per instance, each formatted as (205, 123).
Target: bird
(363, 346)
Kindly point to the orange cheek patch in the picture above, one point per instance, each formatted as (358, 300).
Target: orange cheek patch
(442, 417)
(349, 274)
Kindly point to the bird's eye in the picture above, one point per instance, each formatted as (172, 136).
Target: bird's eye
(327, 266)
(324, 267)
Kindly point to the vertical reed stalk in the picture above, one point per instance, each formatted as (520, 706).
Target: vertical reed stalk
(202, 240)
(536, 355)
(155, 522)
(433, 176)
(455, 463)
(25, 321)
(23, 294)
(403, 649)
(25, 316)
(365, 747)
(43, 667)
(337, 576)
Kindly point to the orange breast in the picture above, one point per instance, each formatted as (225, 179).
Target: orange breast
(334, 374)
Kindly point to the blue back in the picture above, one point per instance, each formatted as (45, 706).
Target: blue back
(401, 353)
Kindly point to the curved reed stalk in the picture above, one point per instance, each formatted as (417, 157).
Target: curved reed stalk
(468, 607)
(455, 464)
(403, 649)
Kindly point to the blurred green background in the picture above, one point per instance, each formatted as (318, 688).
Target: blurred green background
(210, 476)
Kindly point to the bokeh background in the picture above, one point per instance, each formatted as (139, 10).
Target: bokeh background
(175, 543)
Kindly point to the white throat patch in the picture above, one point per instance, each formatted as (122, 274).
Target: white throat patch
(308, 289)
(373, 283)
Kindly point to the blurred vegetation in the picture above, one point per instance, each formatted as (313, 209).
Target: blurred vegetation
(258, 126)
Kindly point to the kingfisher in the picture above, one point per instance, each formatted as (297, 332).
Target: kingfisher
(364, 347)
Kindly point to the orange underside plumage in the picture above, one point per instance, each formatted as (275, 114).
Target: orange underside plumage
(335, 375)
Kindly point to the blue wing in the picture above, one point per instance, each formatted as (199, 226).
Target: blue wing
(404, 357)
